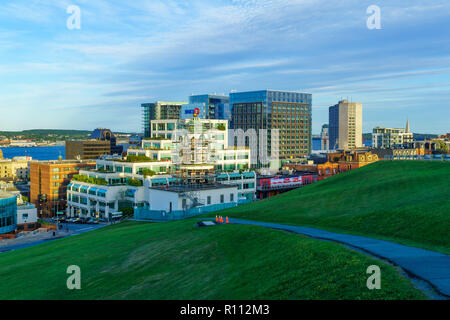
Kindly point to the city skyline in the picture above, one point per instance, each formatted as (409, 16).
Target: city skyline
(100, 74)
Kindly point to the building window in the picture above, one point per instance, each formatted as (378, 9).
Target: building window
(222, 198)
(231, 197)
(208, 200)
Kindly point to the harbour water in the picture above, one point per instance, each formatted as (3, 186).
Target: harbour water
(37, 153)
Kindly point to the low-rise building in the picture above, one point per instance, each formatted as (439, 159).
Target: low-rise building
(382, 153)
(349, 160)
(27, 219)
(15, 168)
(8, 212)
(245, 181)
(322, 170)
(48, 183)
(187, 197)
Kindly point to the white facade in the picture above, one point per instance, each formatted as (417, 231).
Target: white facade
(26, 213)
(389, 137)
(177, 199)
(201, 147)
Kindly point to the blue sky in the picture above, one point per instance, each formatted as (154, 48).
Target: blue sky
(130, 52)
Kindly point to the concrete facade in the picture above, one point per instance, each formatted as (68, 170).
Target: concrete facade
(345, 123)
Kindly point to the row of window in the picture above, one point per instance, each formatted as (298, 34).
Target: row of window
(6, 221)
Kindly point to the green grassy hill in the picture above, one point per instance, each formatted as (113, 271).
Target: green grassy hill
(179, 261)
(404, 201)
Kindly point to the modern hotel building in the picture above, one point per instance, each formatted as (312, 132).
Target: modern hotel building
(289, 112)
(160, 110)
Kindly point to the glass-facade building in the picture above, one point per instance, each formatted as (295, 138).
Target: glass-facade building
(290, 112)
(160, 110)
(333, 123)
(8, 212)
(211, 106)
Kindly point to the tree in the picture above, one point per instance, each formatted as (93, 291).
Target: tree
(147, 172)
(443, 148)
(134, 182)
(127, 211)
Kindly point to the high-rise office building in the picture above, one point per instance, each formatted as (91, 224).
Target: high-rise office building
(160, 110)
(289, 112)
(210, 106)
(345, 125)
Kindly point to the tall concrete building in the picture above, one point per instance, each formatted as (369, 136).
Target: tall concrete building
(345, 125)
(289, 112)
(160, 110)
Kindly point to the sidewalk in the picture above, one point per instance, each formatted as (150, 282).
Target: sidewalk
(430, 266)
(34, 237)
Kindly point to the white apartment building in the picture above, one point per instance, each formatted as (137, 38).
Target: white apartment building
(198, 149)
(389, 137)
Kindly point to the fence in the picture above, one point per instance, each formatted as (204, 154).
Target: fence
(145, 213)
(435, 157)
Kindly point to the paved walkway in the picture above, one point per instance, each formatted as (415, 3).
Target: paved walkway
(43, 237)
(427, 265)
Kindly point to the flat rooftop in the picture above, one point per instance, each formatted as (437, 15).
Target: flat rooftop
(194, 187)
(5, 195)
(64, 161)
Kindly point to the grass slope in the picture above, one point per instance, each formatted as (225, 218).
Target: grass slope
(405, 201)
(179, 261)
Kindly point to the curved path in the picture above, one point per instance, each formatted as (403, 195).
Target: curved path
(430, 266)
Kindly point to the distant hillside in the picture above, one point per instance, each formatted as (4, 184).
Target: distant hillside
(48, 134)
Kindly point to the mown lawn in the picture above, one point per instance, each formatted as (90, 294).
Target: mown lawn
(404, 201)
(180, 261)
